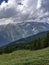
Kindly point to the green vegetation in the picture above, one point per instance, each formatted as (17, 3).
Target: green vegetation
(36, 44)
(35, 52)
(26, 57)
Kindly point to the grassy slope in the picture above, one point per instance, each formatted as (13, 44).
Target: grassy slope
(26, 57)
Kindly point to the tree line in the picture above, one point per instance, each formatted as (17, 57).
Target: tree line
(36, 44)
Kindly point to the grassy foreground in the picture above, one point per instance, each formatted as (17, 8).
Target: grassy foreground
(26, 57)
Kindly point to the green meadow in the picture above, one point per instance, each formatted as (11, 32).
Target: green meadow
(26, 57)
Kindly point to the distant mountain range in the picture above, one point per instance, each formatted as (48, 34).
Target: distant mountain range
(30, 38)
(13, 32)
(26, 43)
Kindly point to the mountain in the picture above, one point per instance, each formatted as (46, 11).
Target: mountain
(12, 32)
(33, 42)
(30, 38)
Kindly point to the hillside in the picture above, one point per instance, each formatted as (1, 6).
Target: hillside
(31, 53)
(12, 32)
(26, 57)
(35, 42)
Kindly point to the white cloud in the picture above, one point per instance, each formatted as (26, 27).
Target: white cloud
(8, 9)
(39, 4)
(11, 9)
(28, 11)
(5, 21)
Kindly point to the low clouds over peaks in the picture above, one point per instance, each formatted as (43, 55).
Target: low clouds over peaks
(27, 10)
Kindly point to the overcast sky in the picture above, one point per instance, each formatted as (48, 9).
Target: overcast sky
(24, 11)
